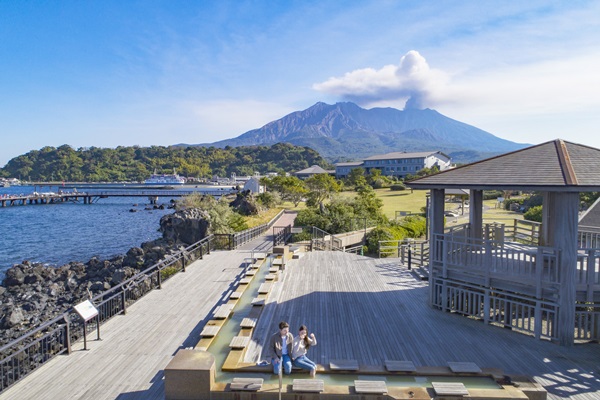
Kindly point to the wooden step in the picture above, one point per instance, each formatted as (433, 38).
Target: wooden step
(257, 301)
(222, 312)
(400, 366)
(370, 387)
(265, 288)
(449, 389)
(343, 365)
(248, 323)
(235, 295)
(239, 342)
(308, 385)
(210, 331)
(247, 384)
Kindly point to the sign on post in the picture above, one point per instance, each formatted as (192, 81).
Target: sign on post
(87, 311)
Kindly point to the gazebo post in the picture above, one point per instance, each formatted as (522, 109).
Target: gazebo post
(563, 212)
(436, 224)
(476, 213)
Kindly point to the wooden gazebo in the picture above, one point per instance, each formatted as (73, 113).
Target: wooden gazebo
(551, 289)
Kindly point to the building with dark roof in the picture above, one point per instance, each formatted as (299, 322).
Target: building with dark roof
(313, 170)
(551, 289)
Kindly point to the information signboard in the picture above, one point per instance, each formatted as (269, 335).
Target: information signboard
(86, 310)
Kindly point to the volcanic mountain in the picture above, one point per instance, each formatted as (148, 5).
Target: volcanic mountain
(345, 131)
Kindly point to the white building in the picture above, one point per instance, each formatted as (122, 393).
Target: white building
(398, 164)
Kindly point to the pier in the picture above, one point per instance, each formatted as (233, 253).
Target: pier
(92, 196)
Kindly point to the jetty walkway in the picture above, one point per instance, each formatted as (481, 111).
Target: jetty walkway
(92, 196)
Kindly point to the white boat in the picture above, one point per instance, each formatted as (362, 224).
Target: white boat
(165, 179)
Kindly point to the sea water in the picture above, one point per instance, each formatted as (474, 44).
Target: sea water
(56, 234)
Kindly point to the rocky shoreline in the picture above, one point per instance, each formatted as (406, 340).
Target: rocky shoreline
(32, 293)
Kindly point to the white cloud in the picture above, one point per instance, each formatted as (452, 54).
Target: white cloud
(411, 80)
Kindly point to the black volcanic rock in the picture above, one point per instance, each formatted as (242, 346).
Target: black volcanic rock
(347, 131)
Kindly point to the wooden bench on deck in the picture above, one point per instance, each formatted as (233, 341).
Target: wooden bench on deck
(464, 367)
(222, 312)
(246, 384)
(400, 366)
(210, 331)
(343, 365)
(308, 385)
(370, 387)
(449, 389)
(239, 342)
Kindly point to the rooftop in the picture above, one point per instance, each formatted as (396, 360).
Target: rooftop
(556, 165)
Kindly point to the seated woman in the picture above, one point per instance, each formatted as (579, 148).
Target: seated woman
(300, 345)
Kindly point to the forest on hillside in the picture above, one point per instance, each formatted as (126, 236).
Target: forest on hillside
(134, 163)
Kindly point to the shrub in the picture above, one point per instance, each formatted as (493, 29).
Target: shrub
(375, 236)
(167, 272)
(534, 214)
(398, 186)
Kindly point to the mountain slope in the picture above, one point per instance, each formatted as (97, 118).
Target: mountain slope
(347, 131)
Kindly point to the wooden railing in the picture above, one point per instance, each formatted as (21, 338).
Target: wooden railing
(588, 273)
(488, 259)
(588, 237)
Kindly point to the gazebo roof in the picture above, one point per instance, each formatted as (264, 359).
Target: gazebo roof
(552, 166)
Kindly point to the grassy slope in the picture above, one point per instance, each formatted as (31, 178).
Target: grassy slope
(404, 201)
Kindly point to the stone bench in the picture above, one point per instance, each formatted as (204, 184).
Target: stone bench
(251, 273)
(308, 385)
(260, 255)
(246, 384)
(370, 387)
(270, 277)
(400, 366)
(245, 281)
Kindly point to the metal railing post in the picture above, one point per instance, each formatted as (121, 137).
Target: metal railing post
(67, 333)
(124, 301)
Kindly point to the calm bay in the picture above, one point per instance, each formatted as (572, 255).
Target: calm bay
(56, 234)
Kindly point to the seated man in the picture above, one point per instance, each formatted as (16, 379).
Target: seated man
(280, 349)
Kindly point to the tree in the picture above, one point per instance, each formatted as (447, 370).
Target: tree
(356, 177)
(321, 187)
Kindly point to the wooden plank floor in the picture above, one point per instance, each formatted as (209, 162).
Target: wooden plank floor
(373, 310)
(129, 362)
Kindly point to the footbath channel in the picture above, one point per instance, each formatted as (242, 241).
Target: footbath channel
(219, 347)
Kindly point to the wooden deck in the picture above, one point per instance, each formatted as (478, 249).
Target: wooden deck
(373, 310)
(128, 363)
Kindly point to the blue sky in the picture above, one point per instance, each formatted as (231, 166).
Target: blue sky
(164, 72)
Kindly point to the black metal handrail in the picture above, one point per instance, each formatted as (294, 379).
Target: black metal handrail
(24, 354)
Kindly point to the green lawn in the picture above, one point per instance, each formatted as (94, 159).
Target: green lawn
(397, 200)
